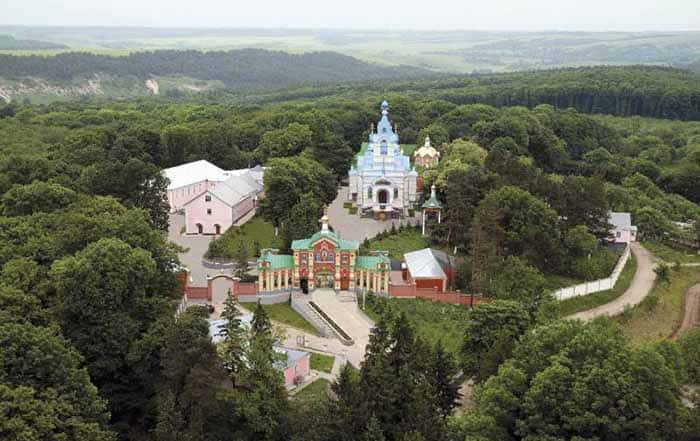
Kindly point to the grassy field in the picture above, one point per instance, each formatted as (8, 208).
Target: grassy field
(671, 255)
(400, 243)
(659, 314)
(314, 390)
(283, 313)
(255, 230)
(582, 303)
(432, 321)
(321, 362)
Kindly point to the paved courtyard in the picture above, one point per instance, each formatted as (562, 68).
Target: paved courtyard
(195, 248)
(354, 227)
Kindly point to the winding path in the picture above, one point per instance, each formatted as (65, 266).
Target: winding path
(642, 283)
(691, 317)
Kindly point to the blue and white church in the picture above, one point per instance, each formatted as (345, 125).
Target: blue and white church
(382, 181)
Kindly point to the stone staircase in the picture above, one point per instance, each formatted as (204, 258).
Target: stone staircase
(300, 303)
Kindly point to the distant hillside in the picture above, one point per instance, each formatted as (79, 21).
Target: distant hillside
(652, 91)
(695, 67)
(238, 69)
(9, 43)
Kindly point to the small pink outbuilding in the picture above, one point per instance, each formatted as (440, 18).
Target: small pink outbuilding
(622, 230)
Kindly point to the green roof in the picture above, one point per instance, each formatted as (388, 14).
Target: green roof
(277, 261)
(432, 203)
(305, 244)
(372, 262)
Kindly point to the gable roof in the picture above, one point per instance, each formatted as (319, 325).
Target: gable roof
(193, 172)
(236, 188)
(372, 262)
(621, 220)
(423, 264)
(277, 261)
(305, 244)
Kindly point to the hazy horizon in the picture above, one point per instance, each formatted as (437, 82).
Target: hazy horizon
(438, 15)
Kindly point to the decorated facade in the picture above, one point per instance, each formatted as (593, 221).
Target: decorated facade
(426, 156)
(382, 181)
(324, 260)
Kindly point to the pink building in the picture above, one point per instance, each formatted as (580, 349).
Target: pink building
(296, 366)
(622, 230)
(213, 199)
(187, 181)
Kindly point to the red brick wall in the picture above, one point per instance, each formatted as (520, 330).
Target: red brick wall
(197, 292)
(247, 288)
(454, 298)
(429, 284)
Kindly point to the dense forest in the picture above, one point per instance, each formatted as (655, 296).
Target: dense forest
(656, 92)
(238, 69)
(88, 273)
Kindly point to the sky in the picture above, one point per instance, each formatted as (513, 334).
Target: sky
(524, 15)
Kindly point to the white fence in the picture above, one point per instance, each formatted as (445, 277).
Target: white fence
(584, 289)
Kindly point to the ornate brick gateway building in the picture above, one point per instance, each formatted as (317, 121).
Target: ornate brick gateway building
(323, 260)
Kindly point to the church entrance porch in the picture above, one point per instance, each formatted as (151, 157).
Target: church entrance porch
(323, 280)
(383, 197)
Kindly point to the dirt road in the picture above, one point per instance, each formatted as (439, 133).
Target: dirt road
(691, 317)
(641, 285)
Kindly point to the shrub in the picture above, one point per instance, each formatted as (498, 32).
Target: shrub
(690, 348)
(598, 266)
(663, 273)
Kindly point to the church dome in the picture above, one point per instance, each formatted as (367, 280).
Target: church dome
(427, 150)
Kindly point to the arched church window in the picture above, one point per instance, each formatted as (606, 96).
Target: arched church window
(369, 193)
(383, 148)
(396, 193)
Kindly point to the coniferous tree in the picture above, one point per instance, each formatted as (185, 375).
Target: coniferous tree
(235, 344)
(443, 371)
(347, 407)
(260, 326)
(241, 259)
(373, 431)
(191, 374)
(262, 403)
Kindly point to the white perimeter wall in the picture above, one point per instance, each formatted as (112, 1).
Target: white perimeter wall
(597, 285)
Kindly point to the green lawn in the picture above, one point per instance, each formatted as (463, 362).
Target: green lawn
(400, 243)
(256, 230)
(432, 321)
(315, 390)
(582, 303)
(671, 255)
(283, 313)
(658, 315)
(322, 362)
